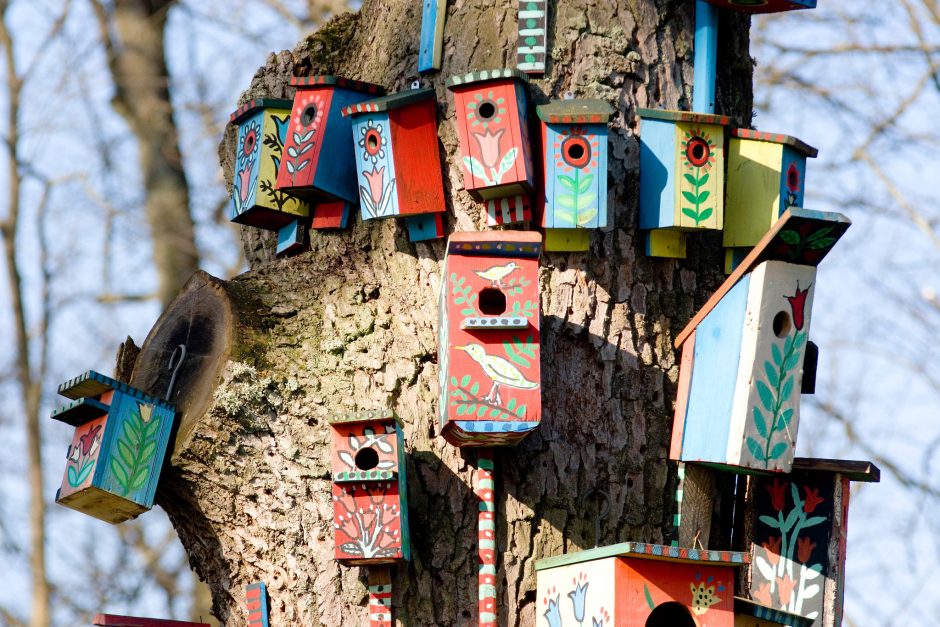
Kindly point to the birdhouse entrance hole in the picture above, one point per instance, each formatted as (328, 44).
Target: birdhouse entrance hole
(670, 614)
(697, 151)
(492, 301)
(486, 110)
(367, 459)
(782, 324)
(308, 115)
(249, 143)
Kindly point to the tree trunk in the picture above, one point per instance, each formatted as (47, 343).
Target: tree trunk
(352, 325)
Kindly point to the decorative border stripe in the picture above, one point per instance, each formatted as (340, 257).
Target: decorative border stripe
(486, 539)
(337, 81)
(508, 210)
(261, 103)
(531, 43)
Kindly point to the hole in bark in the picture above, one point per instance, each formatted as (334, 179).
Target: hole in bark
(492, 301)
(782, 324)
(309, 114)
(486, 110)
(367, 459)
(670, 614)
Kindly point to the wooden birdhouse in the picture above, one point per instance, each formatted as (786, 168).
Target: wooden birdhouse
(747, 613)
(370, 498)
(799, 525)
(766, 174)
(256, 598)
(121, 436)
(488, 349)
(493, 130)
(319, 162)
(742, 353)
(764, 6)
(256, 200)
(114, 620)
(638, 585)
(396, 155)
(682, 165)
(574, 145)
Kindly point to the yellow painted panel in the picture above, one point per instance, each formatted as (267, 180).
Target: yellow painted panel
(753, 199)
(567, 240)
(700, 176)
(267, 194)
(665, 243)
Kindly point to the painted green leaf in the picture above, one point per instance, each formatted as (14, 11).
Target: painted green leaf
(799, 341)
(567, 201)
(814, 520)
(702, 180)
(471, 408)
(790, 237)
(704, 215)
(119, 473)
(776, 354)
(779, 449)
(793, 516)
(649, 597)
(691, 179)
(520, 411)
(755, 449)
(506, 163)
(585, 184)
(786, 416)
(819, 244)
(586, 216)
(139, 478)
(766, 396)
(772, 377)
(690, 213)
(586, 200)
(494, 413)
(468, 311)
(511, 404)
(760, 423)
(567, 182)
(474, 388)
(770, 522)
(786, 390)
(816, 235)
(689, 196)
(148, 450)
(453, 381)
(461, 410)
(124, 452)
(515, 356)
(481, 411)
(792, 360)
(563, 216)
(464, 380)
(703, 196)
(84, 472)
(788, 345)
(72, 476)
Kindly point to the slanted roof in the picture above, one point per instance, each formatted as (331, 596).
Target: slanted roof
(775, 138)
(496, 243)
(337, 81)
(373, 415)
(114, 620)
(480, 76)
(746, 607)
(253, 106)
(575, 112)
(853, 469)
(648, 551)
(800, 236)
(394, 101)
(92, 383)
(684, 116)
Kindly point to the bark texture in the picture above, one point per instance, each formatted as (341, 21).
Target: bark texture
(351, 324)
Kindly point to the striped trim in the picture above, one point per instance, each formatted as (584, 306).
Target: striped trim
(380, 605)
(508, 210)
(91, 383)
(531, 42)
(486, 539)
(261, 103)
(485, 75)
(337, 81)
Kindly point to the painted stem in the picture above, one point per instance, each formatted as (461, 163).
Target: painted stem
(706, 57)
(380, 597)
(778, 402)
(486, 538)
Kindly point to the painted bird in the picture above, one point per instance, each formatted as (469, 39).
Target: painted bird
(496, 274)
(499, 370)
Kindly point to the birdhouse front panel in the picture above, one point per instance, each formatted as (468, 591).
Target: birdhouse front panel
(397, 156)
(682, 164)
(489, 338)
(256, 201)
(574, 143)
(493, 133)
(743, 404)
(370, 498)
(766, 175)
(765, 6)
(114, 461)
(317, 127)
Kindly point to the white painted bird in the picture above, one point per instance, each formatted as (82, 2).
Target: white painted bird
(496, 274)
(500, 370)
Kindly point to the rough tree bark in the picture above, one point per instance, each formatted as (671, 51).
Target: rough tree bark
(352, 325)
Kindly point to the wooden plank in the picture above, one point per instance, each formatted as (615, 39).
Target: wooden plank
(418, 171)
(776, 138)
(753, 201)
(666, 243)
(494, 322)
(679, 555)
(433, 16)
(704, 71)
(291, 238)
(699, 198)
(580, 111)
(331, 215)
(115, 620)
(390, 102)
(380, 597)
(796, 222)
(337, 81)
(256, 599)
(686, 364)
(252, 106)
(567, 240)
(853, 469)
(91, 383)
(662, 594)
(684, 116)
(80, 411)
(531, 44)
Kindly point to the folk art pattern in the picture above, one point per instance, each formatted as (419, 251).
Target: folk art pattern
(531, 44)
(486, 540)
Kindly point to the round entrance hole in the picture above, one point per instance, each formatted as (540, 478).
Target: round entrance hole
(309, 115)
(781, 324)
(670, 614)
(367, 459)
(492, 301)
(486, 110)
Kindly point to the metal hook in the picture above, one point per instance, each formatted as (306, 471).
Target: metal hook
(175, 368)
(604, 511)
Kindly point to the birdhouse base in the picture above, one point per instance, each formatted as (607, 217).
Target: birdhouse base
(425, 226)
(567, 240)
(666, 243)
(468, 433)
(291, 239)
(102, 505)
(331, 215)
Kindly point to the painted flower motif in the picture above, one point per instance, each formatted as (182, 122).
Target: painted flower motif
(698, 148)
(577, 149)
(74, 453)
(553, 613)
(244, 183)
(703, 597)
(489, 146)
(762, 594)
(785, 587)
(146, 411)
(772, 546)
(89, 442)
(797, 305)
(375, 178)
(248, 141)
(793, 178)
(578, 597)
(309, 113)
(812, 499)
(804, 549)
(777, 494)
(372, 142)
(600, 621)
(482, 110)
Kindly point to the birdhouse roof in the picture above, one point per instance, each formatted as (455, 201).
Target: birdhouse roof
(800, 236)
(496, 243)
(92, 383)
(746, 607)
(336, 81)
(684, 116)
(252, 106)
(575, 112)
(393, 101)
(113, 620)
(853, 469)
(373, 415)
(775, 138)
(642, 550)
(482, 76)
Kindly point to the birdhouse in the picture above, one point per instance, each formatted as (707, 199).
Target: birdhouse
(488, 348)
(396, 155)
(638, 585)
(799, 525)
(682, 165)
(256, 200)
(742, 353)
(370, 499)
(256, 598)
(114, 620)
(574, 145)
(766, 174)
(764, 6)
(121, 436)
(493, 132)
(747, 613)
(317, 128)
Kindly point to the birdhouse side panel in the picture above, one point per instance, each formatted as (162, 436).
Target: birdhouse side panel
(525, 168)
(754, 188)
(792, 180)
(766, 415)
(405, 529)
(657, 175)
(82, 457)
(337, 175)
(285, 206)
(793, 559)
(417, 158)
(443, 342)
(653, 587)
(247, 165)
(367, 522)
(378, 180)
(575, 176)
(700, 162)
(365, 451)
(578, 594)
(716, 361)
(306, 130)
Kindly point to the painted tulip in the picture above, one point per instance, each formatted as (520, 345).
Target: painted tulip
(375, 179)
(804, 549)
(777, 494)
(812, 499)
(489, 147)
(797, 305)
(578, 597)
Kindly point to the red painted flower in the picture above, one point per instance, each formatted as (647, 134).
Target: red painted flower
(812, 499)
(804, 549)
(762, 594)
(778, 493)
(698, 148)
(87, 441)
(797, 305)
(489, 147)
(576, 148)
(793, 178)
(772, 546)
(785, 587)
(376, 180)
